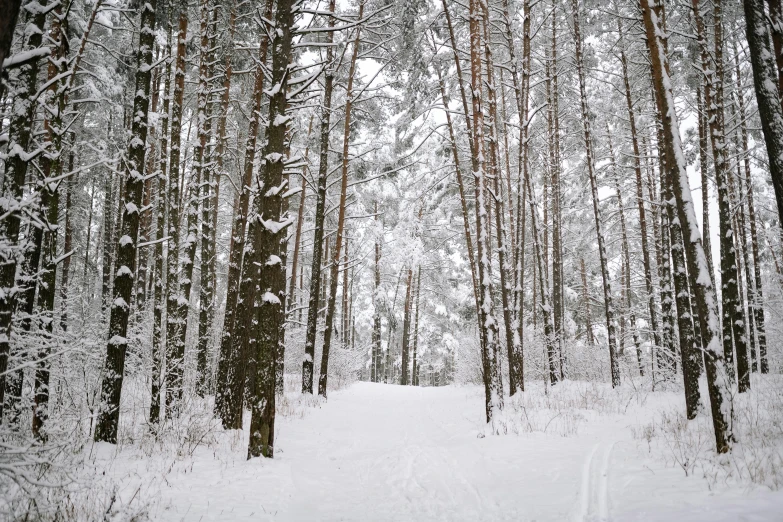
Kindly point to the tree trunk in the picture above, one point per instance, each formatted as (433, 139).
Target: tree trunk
(292, 297)
(268, 233)
(626, 274)
(320, 210)
(51, 170)
(161, 206)
(717, 379)
(21, 127)
(377, 353)
(492, 384)
(175, 351)
(231, 366)
(406, 330)
(732, 306)
(648, 278)
(608, 306)
(415, 372)
(338, 244)
(766, 77)
(111, 387)
(205, 164)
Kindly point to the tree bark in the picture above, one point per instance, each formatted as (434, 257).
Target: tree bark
(233, 354)
(111, 387)
(338, 244)
(608, 305)
(320, 209)
(717, 379)
(175, 350)
(766, 79)
(268, 233)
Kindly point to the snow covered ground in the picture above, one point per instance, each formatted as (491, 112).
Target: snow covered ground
(376, 452)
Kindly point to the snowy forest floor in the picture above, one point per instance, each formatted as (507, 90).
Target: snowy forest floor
(392, 453)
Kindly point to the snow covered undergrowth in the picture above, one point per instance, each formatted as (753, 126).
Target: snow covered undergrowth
(383, 452)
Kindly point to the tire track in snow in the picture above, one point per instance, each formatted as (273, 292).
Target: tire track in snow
(594, 491)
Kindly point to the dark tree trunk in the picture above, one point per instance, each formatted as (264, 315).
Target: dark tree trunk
(231, 366)
(717, 380)
(111, 388)
(766, 77)
(175, 352)
(320, 209)
(338, 243)
(268, 233)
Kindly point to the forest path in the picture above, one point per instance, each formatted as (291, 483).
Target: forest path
(376, 452)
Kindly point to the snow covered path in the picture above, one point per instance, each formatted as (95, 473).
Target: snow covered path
(375, 452)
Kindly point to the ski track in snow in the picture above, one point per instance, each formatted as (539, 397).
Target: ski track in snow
(594, 493)
(382, 453)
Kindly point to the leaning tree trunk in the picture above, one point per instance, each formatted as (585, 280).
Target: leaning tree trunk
(690, 350)
(717, 379)
(111, 387)
(768, 97)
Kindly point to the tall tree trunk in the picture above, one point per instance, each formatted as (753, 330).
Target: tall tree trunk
(406, 330)
(320, 210)
(70, 187)
(732, 306)
(586, 300)
(666, 355)
(111, 387)
(415, 372)
(268, 233)
(705, 194)
(377, 353)
(768, 81)
(20, 134)
(292, 296)
(557, 248)
(231, 366)
(608, 306)
(626, 252)
(513, 342)
(338, 244)
(717, 379)
(51, 170)
(492, 383)
(205, 165)
(756, 294)
(175, 351)
(690, 350)
(648, 278)
(161, 208)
